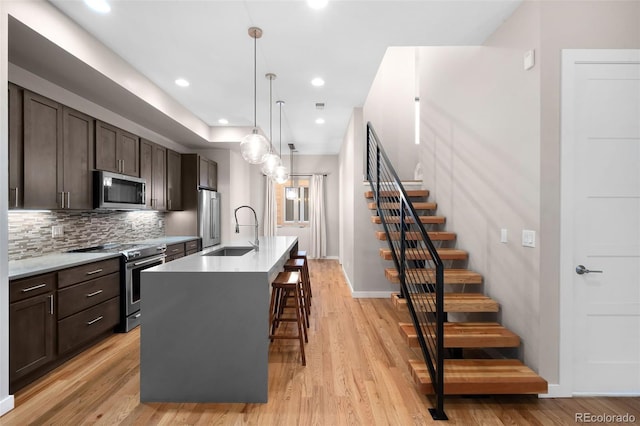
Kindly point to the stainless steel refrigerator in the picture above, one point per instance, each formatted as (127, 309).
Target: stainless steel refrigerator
(209, 217)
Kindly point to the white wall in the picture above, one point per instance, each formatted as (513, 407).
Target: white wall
(390, 108)
(6, 401)
(346, 202)
(480, 151)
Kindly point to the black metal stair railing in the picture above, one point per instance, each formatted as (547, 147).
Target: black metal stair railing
(415, 257)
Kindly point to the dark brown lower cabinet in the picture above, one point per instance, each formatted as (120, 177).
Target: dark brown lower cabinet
(85, 326)
(32, 334)
(54, 316)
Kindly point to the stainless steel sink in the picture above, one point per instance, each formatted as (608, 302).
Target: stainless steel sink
(230, 251)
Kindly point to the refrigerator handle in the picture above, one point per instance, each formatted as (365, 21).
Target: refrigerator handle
(212, 222)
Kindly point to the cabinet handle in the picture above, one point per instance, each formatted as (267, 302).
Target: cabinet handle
(51, 304)
(68, 200)
(94, 272)
(175, 250)
(17, 190)
(35, 287)
(122, 166)
(62, 200)
(95, 293)
(93, 321)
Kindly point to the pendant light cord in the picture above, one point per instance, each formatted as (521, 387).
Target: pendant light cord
(280, 128)
(270, 112)
(255, 80)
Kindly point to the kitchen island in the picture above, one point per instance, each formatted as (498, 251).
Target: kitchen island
(204, 328)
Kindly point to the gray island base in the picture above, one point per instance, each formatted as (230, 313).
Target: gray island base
(204, 325)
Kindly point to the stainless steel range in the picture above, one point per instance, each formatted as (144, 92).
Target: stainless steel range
(135, 259)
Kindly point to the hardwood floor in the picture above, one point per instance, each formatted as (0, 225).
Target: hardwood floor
(356, 374)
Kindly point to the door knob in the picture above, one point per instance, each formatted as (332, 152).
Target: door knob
(581, 270)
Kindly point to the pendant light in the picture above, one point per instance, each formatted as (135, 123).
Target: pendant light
(271, 160)
(292, 191)
(254, 147)
(281, 175)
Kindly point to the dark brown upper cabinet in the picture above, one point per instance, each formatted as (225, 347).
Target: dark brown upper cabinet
(208, 174)
(153, 168)
(174, 180)
(57, 155)
(117, 151)
(16, 184)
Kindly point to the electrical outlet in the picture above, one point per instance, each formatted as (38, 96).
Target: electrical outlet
(57, 231)
(528, 238)
(503, 235)
(160, 223)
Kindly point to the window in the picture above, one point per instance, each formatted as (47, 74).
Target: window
(292, 199)
(296, 204)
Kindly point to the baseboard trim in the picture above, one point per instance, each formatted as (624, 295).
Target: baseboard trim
(371, 294)
(325, 258)
(6, 405)
(555, 391)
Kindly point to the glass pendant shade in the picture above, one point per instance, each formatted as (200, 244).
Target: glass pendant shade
(281, 174)
(270, 163)
(254, 148)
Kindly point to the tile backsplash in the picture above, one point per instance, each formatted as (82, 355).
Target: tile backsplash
(30, 233)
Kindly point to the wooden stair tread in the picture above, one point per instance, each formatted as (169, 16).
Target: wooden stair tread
(481, 377)
(410, 193)
(468, 335)
(451, 276)
(418, 205)
(454, 302)
(423, 254)
(423, 219)
(416, 236)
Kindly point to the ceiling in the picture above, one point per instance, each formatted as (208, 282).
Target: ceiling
(207, 43)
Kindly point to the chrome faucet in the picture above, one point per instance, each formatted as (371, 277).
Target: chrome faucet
(256, 244)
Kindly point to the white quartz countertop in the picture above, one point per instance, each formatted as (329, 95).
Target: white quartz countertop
(168, 240)
(52, 262)
(263, 260)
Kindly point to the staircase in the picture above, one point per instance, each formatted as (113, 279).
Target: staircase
(423, 265)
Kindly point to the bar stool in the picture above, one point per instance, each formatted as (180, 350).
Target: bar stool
(288, 285)
(298, 265)
(302, 254)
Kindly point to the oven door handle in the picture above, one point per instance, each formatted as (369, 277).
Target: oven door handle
(155, 259)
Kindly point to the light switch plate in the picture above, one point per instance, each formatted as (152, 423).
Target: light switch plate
(503, 235)
(57, 231)
(528, 238)
(529, 59)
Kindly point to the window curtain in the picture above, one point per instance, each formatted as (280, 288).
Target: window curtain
(270, 219)
(317, 218)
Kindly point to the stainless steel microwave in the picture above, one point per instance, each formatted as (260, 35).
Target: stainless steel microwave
(118, 192)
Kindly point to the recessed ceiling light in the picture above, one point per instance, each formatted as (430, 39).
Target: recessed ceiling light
(223, 121)
(182, 82)
(317, 4)
(317, 82)
(100, 6)
(319, 120)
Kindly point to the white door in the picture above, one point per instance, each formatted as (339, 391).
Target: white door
(601, 149)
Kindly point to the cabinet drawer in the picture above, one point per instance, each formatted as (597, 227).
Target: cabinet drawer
(191, 245)
(190, 252)
(174, 249)
(86, 272)
(174, 257)
(78, 297)
(33, 286)
(77, 329)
